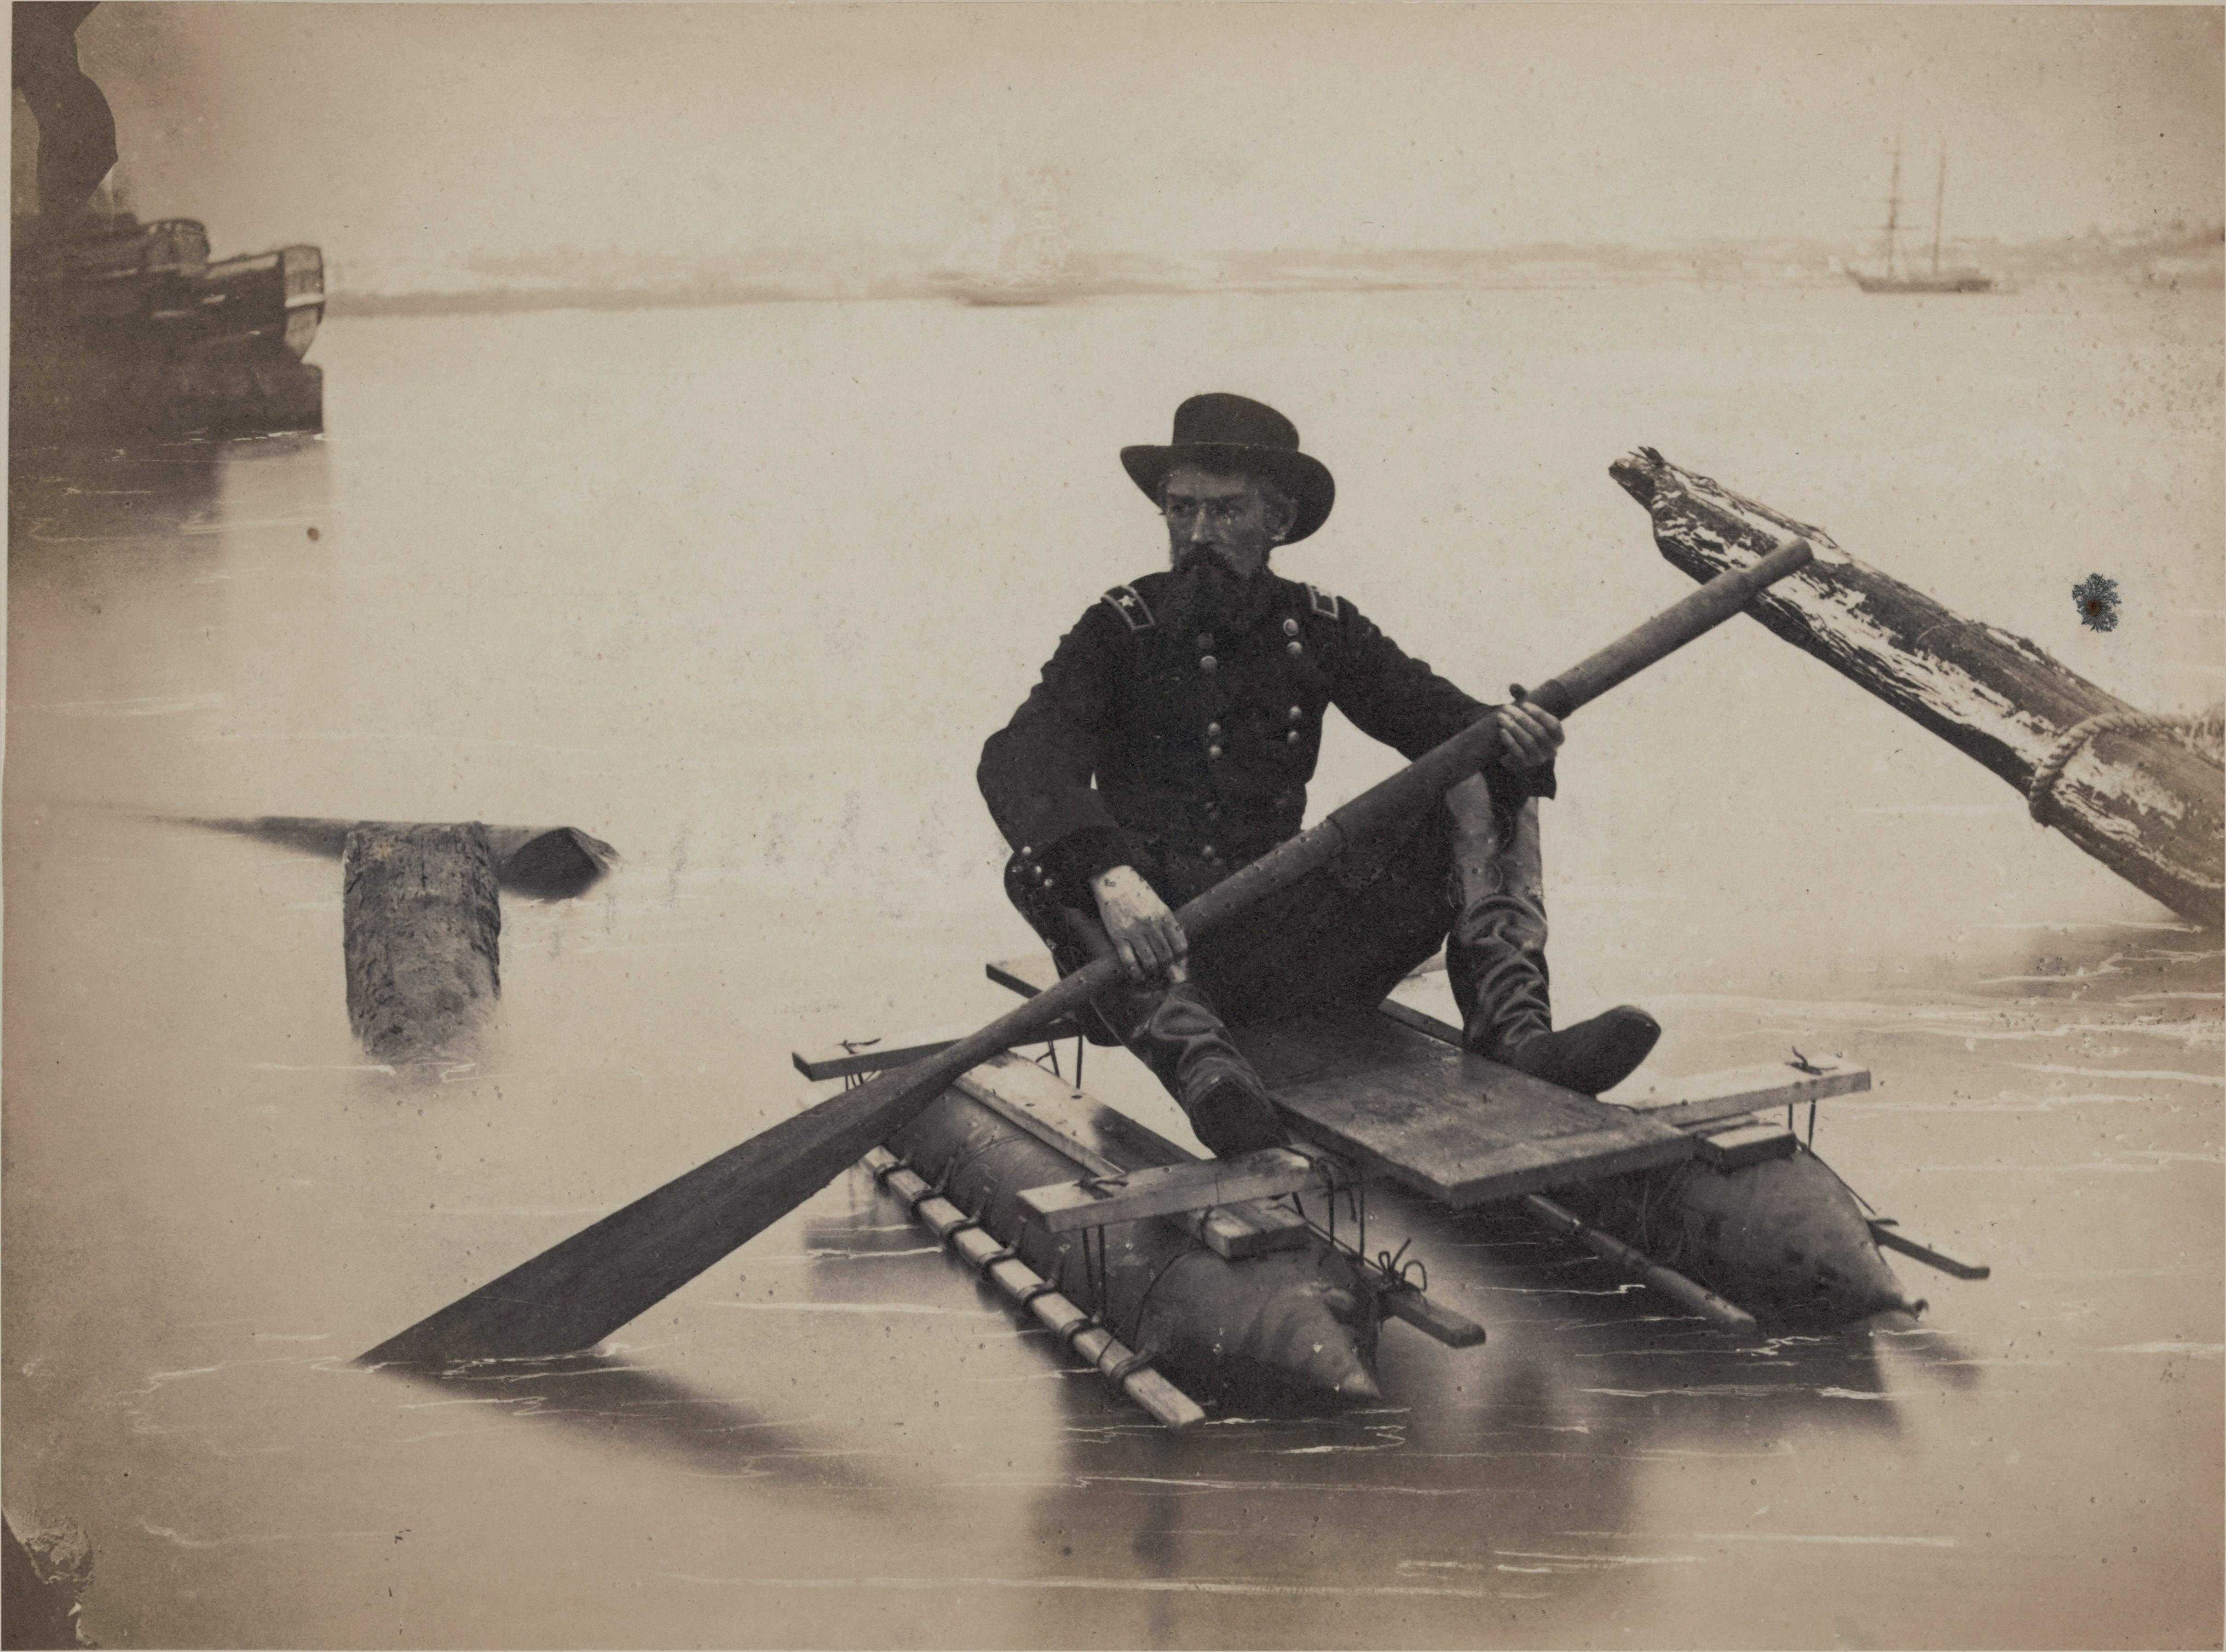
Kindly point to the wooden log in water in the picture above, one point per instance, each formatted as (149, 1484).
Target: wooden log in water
(421, 935)
(2139, 798)
(548, 863)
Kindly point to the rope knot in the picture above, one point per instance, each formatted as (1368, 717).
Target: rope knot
(1398, 1275)
(2041, 793)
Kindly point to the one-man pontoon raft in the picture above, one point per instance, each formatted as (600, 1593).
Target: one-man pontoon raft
(2133, 788)
(1232, 1271)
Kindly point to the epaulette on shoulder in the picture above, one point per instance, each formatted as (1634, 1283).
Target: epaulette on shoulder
(1324, 603)
(1129, 603)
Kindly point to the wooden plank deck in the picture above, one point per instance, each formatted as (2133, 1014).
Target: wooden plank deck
(1454, 1125)
(1699, 1099)
(1412, 1107)
(1172, 1190)
(1107, 1141)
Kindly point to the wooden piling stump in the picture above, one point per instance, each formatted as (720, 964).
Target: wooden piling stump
(420, 932)
(2126, 788)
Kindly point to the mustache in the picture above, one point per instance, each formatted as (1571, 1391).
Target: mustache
(1204, 590)
(1181, 558)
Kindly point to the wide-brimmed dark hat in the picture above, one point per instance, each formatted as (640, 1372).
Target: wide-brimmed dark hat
(1239, 436)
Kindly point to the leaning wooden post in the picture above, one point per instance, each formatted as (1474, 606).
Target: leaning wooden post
(2123, 785)
(421, 934)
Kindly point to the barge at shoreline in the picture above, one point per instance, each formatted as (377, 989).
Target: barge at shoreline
(130, 330)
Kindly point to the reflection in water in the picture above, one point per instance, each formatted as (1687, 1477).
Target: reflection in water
(1515, 1471)
(642, 1412)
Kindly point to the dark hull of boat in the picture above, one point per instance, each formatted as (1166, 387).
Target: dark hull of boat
(135, 333)
(1291, 1322)
(1965, 281)
(1782, 1238)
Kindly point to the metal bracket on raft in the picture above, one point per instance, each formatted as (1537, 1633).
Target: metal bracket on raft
(1883, 1232)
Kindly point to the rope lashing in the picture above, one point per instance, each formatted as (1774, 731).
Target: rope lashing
(882, 1175)
(1136, 1318)
(2042, 792)
(1398, 1273)
(1125, 1368)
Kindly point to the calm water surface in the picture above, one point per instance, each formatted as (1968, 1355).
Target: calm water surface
(742, 591)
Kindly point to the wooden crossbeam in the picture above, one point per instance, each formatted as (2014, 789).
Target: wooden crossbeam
(1173, 1189)
(1454, 1330)
(1728, 1144)
(1706, 1097)
(1086, 1130)
(855, 1057)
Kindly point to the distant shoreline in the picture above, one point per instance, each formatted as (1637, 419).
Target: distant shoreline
(2194, 275)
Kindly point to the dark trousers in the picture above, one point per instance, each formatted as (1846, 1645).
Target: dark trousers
(1344, 935)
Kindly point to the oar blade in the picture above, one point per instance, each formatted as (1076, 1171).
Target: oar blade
(573, 1295)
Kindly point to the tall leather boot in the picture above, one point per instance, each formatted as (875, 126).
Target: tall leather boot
(1496, 958)
(1173, 1028)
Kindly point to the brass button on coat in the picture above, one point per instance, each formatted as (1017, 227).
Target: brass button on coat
(1208, 663)
(1291, 738)
(1213, 730)
(1290, 627)
(1294, 647)
(1297, 715)
(1214, 751)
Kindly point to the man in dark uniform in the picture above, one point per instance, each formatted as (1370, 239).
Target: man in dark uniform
(1170, 742)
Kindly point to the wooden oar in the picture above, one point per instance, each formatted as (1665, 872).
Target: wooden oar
(574, 1295)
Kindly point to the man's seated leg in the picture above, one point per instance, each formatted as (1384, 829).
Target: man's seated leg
(1496, 958)
(1168, 1022)
(1171, 1027)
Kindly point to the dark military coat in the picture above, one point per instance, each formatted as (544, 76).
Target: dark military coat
(1194, 738)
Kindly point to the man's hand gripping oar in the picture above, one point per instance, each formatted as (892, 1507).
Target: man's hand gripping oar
(572, 1296)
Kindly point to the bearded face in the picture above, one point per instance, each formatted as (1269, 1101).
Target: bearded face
(1236, 520)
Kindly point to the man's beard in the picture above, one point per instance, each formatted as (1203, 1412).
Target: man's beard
(1207, 590)
(1180, 558)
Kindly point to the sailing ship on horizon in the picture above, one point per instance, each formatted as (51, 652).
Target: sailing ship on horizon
(1895, 279)
(1019, 252)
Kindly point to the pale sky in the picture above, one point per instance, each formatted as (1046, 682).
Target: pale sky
(1177, 129)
